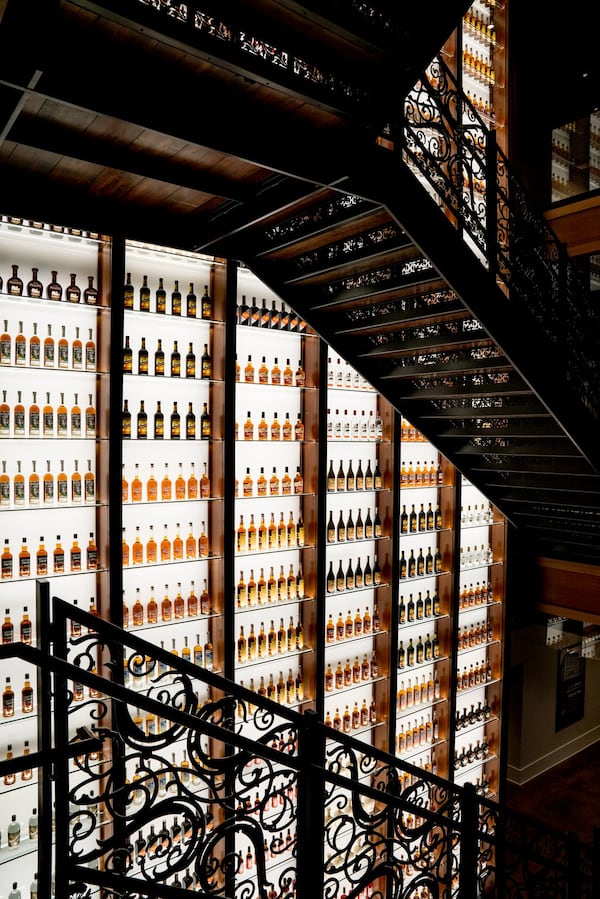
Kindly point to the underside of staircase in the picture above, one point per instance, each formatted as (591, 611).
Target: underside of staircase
(271, 133)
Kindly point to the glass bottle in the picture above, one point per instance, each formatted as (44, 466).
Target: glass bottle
(54, 289)
(73, 292)
(90, 294)
(206, 304)
(20, 347)
(34, 286)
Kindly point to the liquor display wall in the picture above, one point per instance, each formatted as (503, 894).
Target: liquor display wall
(55, 345)
(281, 522)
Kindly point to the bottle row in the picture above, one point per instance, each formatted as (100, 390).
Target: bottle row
(475, 715)
(26, 774)
(274, 535)
(421, 475)
(152, 612)
(48, 489)
(471, 557)
(48, 421)
(142, 300)
(352, 426)
(15, 830)
(165, 490)
(175, 424)
(478, 66)
(414, 522)
(346, 481)
(25, 631)
(420, 565)
(480, 594)
(354, 577)
(167, 549)
(476, 675)
(478, 514)
(353, 720)
(282, 319)
(347, 530)
(351, 675)
(359, 625)
(10, 703)
(53, 290)
(76, 559)
(471, 753)
(271, 643)
(271, 689)
(272, 374)
(425, 650)
(277, 430)
(421, 732)
(138, 671)
(270, 590)
(175, 369)
(424, 607)
(474, 635)
(274, 486)
(422, 692)
(341, 374)
(64, 353)
(410, 434)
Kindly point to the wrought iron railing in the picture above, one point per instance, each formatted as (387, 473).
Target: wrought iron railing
(167, 778)
(447, 143)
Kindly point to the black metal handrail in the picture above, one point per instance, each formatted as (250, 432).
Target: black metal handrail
(447, 143)
(193, 782)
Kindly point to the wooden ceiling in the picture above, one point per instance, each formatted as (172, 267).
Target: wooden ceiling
(130, 119)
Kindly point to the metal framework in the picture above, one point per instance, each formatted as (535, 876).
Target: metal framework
(167, 778)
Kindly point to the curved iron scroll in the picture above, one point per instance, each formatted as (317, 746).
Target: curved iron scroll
(448, 145)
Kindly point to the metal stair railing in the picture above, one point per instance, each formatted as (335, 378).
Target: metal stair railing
(194, 783)
(447, 144)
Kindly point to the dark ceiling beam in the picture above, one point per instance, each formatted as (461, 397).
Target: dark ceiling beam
(55, 137)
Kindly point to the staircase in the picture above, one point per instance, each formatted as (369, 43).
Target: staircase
(307, 141)
(460, 307)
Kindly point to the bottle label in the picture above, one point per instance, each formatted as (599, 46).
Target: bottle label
(90, 357)
(5, 351)
(90, 423)
(76, 559)
(61, 423)
(63, 355)
(20, 352)
(42, 563)
(6, 567)
(62, 491)
(49, 354)
(90, 490)
(77, 355)
(59, 561)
